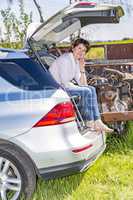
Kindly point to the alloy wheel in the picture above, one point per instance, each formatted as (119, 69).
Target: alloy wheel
(10, 180)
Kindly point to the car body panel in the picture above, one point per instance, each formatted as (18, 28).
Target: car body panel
(52, 145)
(6, 54)
(22, 114)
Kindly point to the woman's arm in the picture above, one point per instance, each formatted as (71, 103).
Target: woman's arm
(83, 79)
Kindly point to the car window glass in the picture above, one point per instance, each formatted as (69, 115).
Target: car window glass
(27, 75)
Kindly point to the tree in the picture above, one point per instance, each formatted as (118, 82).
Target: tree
(36, 5)
(7, 20)
(16, 27)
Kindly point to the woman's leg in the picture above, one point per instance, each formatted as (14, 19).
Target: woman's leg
(88, 107)
(95, 107)
(85, 104)
(98, 125)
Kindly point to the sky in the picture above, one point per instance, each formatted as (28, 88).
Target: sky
(48, 8)
(92, 32)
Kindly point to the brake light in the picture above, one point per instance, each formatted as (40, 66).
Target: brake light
(61, 113)
(85, 4)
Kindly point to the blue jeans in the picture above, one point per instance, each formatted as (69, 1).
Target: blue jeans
(88, 105)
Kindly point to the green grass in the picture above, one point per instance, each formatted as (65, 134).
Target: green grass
(110, 178)
(115, 42)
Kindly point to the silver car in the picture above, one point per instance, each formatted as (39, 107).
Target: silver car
(39, 130)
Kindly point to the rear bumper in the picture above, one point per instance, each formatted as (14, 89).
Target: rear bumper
(71, 168)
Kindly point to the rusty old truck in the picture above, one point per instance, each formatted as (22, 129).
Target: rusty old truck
(112, 75)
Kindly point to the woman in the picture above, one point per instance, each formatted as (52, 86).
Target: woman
(71, 66)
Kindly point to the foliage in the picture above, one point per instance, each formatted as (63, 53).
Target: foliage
(95, 53)
(127, 41)
(15, 27)
(14, 45)
(38, 7)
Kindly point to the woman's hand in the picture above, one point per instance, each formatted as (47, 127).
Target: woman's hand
(82, 64)
(83, 79)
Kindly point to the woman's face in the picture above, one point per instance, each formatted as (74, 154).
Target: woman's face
(79, 51)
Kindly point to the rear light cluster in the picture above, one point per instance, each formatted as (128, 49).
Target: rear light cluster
(60, 114)
(85, 4)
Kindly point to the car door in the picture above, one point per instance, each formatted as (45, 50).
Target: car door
(73, 18)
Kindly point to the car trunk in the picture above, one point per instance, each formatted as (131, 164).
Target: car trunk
(68, 21)
(74, 17)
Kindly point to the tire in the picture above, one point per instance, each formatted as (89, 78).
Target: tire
(17, 174)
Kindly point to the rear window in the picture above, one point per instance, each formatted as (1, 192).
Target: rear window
(27, 74)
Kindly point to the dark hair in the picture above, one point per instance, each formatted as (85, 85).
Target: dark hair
(80, 41)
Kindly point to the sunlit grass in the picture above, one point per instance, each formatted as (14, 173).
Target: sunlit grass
(116, 42)
(110, 178)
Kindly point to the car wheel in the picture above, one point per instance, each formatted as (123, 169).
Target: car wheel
(17, 174)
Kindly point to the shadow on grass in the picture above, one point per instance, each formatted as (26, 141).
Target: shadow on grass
(120, 143)
(57, 189)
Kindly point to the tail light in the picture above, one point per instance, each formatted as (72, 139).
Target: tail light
(85, 4)
(61, 113)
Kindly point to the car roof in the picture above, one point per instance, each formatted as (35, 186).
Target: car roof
(6, 53)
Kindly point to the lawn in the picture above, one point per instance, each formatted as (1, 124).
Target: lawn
(110, 178)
